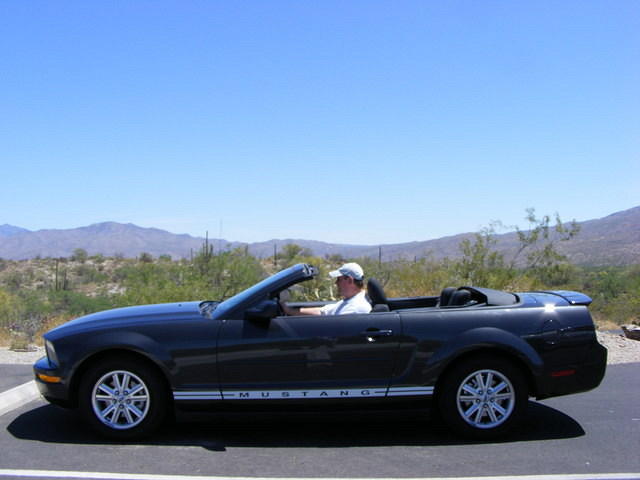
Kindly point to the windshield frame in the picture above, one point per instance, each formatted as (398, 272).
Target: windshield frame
(267, 288)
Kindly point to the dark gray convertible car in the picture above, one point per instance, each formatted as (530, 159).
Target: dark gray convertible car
(475, 354)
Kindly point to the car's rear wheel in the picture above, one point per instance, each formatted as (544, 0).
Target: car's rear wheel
(123, 399)
(483, 397)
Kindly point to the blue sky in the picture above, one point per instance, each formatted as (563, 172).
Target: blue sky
(365, 122)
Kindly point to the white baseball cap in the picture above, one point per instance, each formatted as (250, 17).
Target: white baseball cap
(352, 270)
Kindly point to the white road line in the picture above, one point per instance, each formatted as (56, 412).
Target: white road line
(18, 396)
(143, 476)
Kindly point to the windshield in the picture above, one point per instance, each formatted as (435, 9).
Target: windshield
(259, 288)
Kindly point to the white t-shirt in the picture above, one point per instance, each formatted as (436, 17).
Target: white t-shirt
(356, 304)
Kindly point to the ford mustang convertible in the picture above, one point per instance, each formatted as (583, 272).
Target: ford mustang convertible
(474, 354)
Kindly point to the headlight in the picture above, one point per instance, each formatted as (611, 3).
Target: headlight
(51, 352)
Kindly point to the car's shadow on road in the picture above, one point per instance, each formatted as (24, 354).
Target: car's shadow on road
(217, 432)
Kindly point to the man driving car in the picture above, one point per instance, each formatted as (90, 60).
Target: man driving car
(350, 282)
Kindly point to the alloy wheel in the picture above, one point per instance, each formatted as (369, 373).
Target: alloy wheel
(485, 399)
(120, 399)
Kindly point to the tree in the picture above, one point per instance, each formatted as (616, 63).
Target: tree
(145, 257)
(291, 254)
(481, 264)
(80, 255)
(540, 243)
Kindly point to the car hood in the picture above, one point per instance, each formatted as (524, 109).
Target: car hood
(117, 316)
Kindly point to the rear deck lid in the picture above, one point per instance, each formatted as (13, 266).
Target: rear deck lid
(574, 298)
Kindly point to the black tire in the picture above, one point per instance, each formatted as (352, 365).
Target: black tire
(483, 397)
(123, 399)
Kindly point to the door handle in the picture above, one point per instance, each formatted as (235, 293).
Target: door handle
(373, 333)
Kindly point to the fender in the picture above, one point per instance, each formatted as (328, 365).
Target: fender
(124, 340)
(485, 338)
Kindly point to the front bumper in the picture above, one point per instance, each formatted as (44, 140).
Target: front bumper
(55, 392)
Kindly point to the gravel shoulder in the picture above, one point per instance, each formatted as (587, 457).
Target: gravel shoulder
(621, 350)
(20, 358)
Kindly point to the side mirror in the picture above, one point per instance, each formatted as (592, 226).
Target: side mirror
(263, 311)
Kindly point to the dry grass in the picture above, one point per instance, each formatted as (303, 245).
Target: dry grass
(5, 337)
(606, 325)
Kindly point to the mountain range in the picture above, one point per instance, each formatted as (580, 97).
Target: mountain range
(612, 240)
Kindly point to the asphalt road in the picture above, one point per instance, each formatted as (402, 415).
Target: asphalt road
(597, 432)
(14, 375)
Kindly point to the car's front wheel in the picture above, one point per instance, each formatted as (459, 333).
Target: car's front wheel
(123, 399)
(483, 397)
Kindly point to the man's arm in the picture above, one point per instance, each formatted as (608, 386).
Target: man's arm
(300, 310)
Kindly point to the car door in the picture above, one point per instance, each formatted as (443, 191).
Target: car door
(308, 356)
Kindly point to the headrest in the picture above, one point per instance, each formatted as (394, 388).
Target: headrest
(375, 292)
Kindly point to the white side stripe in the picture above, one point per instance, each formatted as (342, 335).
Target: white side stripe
(300, 394)
(296, 394)
(409, 391)
(208, 395)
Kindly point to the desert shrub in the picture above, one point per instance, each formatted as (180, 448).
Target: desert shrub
(402, 278)
(208, 276)
(615, 292)
(85, 273)
(145, 257)
(98, 258)
(80, 255)
(23, 331)
(66, 302)
(14, 280)
(18, 324)
(10, 308)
